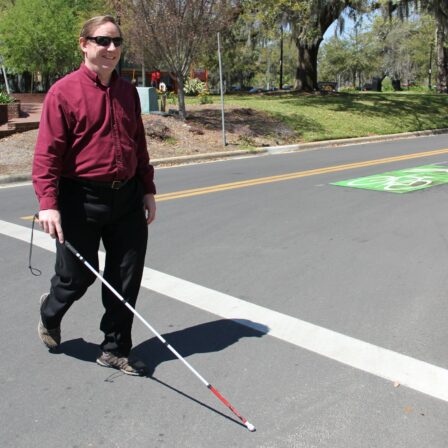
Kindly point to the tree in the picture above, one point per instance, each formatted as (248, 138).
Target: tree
(403, 46)
(421, 48)
(390, 47)
(349, 60)
(439, 10)
(240, 54)
(175, 30)
(42, 35)
(38, 36)
(250, 54)
(308, 20)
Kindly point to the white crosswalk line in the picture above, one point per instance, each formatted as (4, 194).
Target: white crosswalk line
(407, 371)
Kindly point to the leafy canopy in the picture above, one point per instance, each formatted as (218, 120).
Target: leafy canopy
(42, 35)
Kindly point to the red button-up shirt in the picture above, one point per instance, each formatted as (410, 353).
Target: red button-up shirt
(90, 131)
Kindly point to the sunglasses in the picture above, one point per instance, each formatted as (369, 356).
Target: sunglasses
(104, 41)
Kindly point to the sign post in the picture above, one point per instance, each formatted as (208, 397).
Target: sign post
(224, 143)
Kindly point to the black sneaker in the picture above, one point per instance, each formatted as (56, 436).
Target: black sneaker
(50, 337)
(133, 367)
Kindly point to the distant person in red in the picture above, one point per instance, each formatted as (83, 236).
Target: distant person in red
(94, 183)
(155, 79)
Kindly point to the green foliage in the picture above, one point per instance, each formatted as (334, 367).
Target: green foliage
(239, 52)
(347, 89)
(390, 47)
(318, 117)
(403, 47)
(205, 98)
(194, 86)
(307, 18)
(251, 53)
(348, 60)
(308, 21)
(387, 85)
(171, 97)
(5, 98)
(438, 10)
(42, 35)
(38, 35)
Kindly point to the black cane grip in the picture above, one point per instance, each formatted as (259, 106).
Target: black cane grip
(70, 248)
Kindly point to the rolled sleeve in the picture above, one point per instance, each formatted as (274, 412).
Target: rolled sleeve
(50, 148)
(145, 170)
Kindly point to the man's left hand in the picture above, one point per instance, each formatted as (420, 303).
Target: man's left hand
(149, 204)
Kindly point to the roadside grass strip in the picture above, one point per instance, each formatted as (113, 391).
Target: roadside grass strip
(396, 367)
(402, 181)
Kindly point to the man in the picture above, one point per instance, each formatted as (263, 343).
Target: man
(93, 180)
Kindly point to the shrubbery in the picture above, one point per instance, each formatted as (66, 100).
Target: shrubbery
(5, 98)
(194, 87)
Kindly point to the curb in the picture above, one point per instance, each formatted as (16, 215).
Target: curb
(12, 178)
(209, 156)
(352, 141)
(180, 160)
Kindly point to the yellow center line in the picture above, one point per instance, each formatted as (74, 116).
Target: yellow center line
(285, 177)
(293, 175)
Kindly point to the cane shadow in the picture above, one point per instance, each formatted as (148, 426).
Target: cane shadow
(204, 338)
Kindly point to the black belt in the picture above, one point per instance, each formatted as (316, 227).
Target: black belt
(114, 185)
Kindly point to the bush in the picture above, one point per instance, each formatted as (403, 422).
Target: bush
(419, 88)
(6, 99)
(194, 87)
(348, 89)
(205, 98)
(171, 97)
(387, 85)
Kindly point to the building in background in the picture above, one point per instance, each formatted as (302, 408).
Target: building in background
(153, 78)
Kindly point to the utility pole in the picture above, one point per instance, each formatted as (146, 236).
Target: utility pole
(224, 143)
(430, 67)
(281, 58)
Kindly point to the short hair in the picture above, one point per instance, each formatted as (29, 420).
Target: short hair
(92, 24)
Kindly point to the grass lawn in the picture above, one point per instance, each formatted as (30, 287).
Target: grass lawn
(344, 115)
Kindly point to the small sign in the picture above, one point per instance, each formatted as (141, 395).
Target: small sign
(402, 181)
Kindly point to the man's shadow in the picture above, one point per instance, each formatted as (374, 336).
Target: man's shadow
(204, 338)
(208, 337)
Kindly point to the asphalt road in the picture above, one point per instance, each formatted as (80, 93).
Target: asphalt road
(318, 311)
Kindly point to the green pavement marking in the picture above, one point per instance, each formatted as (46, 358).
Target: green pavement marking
(402, 181)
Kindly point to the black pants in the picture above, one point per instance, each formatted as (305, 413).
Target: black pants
(90, 214)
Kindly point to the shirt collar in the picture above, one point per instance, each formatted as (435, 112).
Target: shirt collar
(94, 76)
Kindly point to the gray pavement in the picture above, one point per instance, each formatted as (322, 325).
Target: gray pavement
(365, 264)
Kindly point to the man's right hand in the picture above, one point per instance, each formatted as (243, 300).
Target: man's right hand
(50, 222)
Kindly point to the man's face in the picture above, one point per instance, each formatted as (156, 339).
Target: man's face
(101, 60)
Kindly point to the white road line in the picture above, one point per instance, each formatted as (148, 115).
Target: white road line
(407, 371)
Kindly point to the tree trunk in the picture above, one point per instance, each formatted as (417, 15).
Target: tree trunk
(181, 97)
(306, 72)
(46, 84)
(442, 60)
